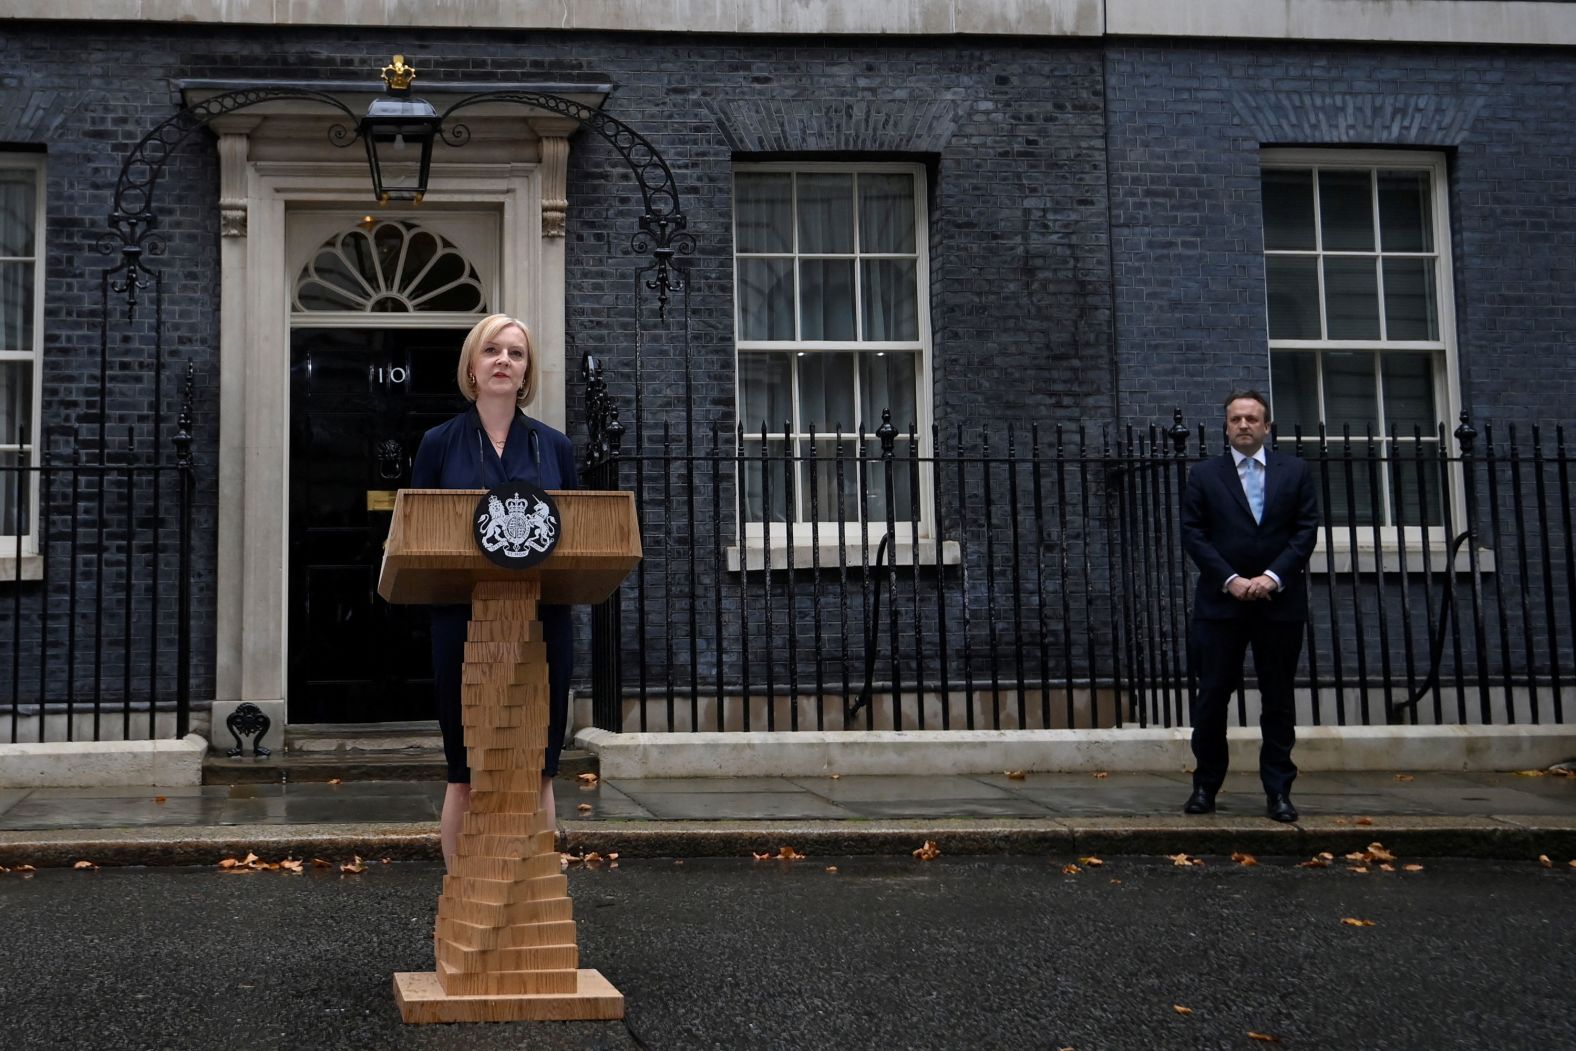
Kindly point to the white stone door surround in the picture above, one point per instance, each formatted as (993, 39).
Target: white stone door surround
(276, 159)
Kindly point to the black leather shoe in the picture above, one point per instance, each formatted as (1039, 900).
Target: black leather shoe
(1202, 801)
(1279, 808)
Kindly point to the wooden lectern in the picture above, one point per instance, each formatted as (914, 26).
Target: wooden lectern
(505, 939)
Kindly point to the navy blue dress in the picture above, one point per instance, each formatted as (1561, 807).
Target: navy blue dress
(458, 455)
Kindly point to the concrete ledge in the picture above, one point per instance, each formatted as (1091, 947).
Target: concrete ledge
(1535, 22)
(206, 845)
(1154, 750)
(102, 764)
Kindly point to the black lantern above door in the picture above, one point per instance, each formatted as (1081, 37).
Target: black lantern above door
(398, 131)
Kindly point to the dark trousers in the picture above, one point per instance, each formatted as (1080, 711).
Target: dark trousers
(1218, 649)
(449, 628)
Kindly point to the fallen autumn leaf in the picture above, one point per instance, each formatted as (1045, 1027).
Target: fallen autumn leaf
(1179, 1009)
(928, 852)
(1015, 775)
(1263, 1038)
(1243, 859)
(1352, 921)
(84, 865)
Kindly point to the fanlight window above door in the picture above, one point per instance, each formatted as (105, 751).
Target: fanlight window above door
(389, 267)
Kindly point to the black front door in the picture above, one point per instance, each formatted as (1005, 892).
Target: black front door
(360, 401)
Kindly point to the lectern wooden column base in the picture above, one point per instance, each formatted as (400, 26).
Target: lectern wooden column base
(504, 941)
(422, 999)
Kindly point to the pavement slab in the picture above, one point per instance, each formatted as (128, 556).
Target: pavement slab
(768, 806)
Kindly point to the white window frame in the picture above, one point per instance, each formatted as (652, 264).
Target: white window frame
(34, 162)
(831, 533)
(1447, 390)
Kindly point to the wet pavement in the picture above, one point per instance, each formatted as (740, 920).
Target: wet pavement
(796, 798)
(1481, 814)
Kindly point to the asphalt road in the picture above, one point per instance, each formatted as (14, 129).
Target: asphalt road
(883, 953)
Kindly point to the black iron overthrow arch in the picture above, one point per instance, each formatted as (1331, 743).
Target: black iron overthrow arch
(662, 232)
(133, 220)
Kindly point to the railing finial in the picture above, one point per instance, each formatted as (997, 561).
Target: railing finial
(1466, 434)
(887, 433)
(1178, 432)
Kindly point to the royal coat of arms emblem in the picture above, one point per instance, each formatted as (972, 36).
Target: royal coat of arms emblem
(516, 525)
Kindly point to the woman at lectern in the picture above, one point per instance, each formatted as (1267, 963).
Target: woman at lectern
(490, 443)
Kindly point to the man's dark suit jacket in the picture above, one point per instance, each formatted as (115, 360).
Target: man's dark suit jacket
(1222, 538)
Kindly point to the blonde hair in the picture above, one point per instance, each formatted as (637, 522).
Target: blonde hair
(485, 331)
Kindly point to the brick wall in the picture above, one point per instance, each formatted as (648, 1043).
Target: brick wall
(1187, 122)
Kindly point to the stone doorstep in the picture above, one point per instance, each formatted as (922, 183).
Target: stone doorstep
(103, 764)
(815, 753)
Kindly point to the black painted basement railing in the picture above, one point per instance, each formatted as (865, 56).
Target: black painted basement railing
(1010, 577)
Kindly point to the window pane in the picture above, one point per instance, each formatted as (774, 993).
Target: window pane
(898, 472)
(762, 476)
(1350, 391)
(1405, 219)
(886, 213)
(16, 305)
(1409, 309)
(886, 381)
(830, 459)
(1294, 379)
(826, 392)
(1292, 291)
(891, 299)
(1414, 478)
(826, 299)
(1351, 297)
(765, 299)
(764, 392)
(826, 213)
(15, 490)
(16, 400)
(1346, 211)
(1288, 210)
(18, 208)
(1409, 393)
(1349, 473)
(764, 212)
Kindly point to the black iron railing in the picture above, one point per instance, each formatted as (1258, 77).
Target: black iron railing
(1035, 577)
(95, 611)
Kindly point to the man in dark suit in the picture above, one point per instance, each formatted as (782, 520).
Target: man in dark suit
(1249, 521)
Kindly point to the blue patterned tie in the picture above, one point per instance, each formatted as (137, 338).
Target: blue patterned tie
(1253, 485)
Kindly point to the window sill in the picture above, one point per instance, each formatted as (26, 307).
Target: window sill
(902, 554)
(32, 569)
(1344, 559)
